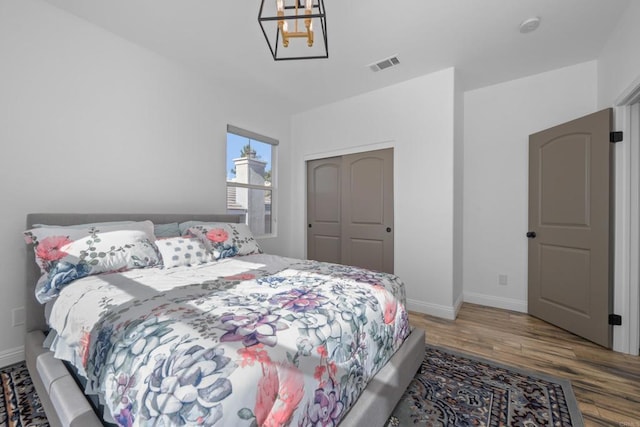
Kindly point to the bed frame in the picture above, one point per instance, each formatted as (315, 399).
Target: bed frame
(66, 405)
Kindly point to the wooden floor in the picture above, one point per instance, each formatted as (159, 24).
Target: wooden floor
(606, 383)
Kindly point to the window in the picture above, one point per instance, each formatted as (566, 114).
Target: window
(250, 177)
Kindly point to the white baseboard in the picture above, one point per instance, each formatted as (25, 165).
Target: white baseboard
(11, 356)
(446, 312)
(497, 302)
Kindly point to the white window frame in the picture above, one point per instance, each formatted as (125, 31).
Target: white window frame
(272, 188)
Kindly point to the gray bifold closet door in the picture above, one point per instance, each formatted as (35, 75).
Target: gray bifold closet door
(350, 210)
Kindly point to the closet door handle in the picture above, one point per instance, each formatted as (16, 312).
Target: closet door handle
(531, 234)
(388, 229)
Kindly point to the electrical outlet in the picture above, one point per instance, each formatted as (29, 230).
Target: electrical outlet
(503, 279)
(18, 316)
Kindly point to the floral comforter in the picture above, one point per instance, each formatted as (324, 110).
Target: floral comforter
(258, 340)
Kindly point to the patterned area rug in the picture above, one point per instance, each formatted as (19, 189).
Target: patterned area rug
(455, 389)
(19, 403)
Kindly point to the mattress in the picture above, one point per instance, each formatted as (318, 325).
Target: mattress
(257, 339)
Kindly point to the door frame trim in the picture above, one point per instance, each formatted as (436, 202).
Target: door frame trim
(626, 338)
(350, 150)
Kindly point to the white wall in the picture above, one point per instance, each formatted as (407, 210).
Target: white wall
(90, 122)
(619, 62)
(498, 122)
(416, 118)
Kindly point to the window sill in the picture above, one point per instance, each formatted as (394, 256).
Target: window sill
(266, 237)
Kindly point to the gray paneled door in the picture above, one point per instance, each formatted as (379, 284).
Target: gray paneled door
(324, 209)
(570, 276)
(350, 210)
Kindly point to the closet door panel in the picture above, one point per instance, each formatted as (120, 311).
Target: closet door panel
(324, 200)
(367, 210)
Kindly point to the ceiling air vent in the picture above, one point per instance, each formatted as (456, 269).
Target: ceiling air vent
(385, 63)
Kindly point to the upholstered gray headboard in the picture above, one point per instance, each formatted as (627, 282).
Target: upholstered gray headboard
(35, 319)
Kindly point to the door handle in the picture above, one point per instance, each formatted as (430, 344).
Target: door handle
(531, 234)
(388, 229)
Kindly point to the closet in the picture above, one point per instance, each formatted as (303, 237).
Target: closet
(350, 210)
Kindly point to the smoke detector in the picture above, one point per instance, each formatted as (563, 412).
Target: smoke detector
(384, 64)
(529, 25)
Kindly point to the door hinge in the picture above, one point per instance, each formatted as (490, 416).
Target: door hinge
(615, 319)
(615, 136)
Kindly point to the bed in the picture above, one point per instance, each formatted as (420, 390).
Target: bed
(297, 372)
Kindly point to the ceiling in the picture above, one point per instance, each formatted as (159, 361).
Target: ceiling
(222, 40)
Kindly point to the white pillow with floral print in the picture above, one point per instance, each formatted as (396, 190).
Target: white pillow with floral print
(226, 240)
(177, 251)
(65, 254)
